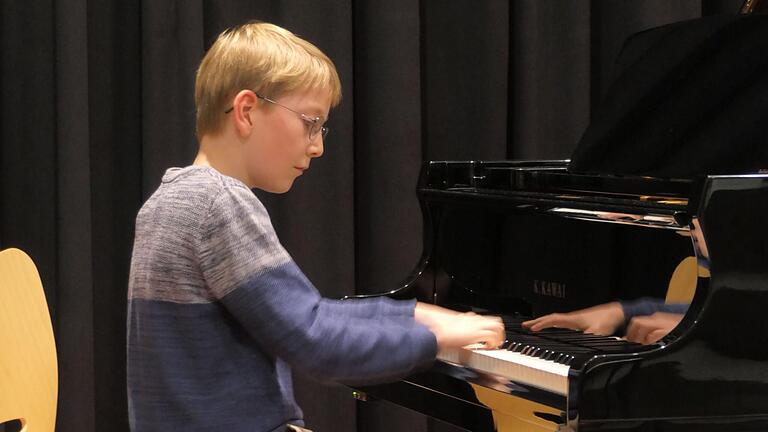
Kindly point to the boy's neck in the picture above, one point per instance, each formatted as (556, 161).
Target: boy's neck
(220, 154)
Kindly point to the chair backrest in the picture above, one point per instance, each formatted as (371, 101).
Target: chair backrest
(29, 377)
(682, 285)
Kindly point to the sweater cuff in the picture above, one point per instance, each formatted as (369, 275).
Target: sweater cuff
(426, 345)
(649, 306)
(405, 308)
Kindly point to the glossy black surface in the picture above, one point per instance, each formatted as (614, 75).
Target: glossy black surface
(717, 364)
(523, 239)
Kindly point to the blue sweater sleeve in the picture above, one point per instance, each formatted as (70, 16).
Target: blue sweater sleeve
(367, 307)
(307, 331)
(254, 278)
(649, 306)
(372, 307)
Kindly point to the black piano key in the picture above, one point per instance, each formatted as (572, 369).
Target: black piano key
(521, 338)
(597, 342)
(559, 331)
(559, 349)
(606, 344)
(542, 342)
(546, 354)
(578, 337)
(519, 346)
(511, 322)
(559, 344)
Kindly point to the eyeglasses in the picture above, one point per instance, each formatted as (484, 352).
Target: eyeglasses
(315, 124)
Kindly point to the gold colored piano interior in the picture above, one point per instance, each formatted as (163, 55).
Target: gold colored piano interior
(514, 414)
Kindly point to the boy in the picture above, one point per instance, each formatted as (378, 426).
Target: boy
(218, 311)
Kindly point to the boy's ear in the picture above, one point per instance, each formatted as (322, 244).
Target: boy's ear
(243, 108)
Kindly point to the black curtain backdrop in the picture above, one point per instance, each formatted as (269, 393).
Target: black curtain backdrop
(97, 102)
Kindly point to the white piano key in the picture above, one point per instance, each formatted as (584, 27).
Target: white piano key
(520, 368)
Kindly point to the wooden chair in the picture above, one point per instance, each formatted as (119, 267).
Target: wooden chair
(682, 285)
(29, 377)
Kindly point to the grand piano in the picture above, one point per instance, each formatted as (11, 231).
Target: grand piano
(649, 206)
(522, 239)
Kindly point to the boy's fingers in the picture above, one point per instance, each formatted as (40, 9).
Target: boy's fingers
(649, 329)
(492, 340)
(533, 321)
(599, 329)
(632, 330)
(490, 322)
(638, 329)
(554, 320)
(491, 337)
(536, 324)
(654, 336)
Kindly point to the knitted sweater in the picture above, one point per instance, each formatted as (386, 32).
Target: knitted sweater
(219, 313)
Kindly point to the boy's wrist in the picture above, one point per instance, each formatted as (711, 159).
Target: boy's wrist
(427, 314)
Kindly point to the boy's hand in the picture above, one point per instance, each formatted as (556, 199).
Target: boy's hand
(603, 319)
(426, 313)
(649, 329)
(455, 330)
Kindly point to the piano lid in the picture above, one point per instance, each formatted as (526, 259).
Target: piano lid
(687, 99)
(548, 186)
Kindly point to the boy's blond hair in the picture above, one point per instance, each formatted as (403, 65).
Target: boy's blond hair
(262, 57)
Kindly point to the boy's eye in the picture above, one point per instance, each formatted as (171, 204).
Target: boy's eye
(315, 125)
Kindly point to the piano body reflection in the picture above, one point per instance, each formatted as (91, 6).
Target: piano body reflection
(522, 239)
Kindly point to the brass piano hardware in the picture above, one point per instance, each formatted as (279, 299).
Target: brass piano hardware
(361, 396)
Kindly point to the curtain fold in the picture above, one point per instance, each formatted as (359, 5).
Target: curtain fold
(73, 307)
(97, 101)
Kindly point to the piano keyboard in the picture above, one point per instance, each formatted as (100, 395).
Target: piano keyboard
(540, 359)
(544, 374)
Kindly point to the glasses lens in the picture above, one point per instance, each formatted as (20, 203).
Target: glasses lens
(317, 128)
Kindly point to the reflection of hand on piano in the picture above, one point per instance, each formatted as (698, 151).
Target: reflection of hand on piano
(603, 319)
(454, 329)
(649, 329)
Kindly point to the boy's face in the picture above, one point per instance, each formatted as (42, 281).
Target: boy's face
(279, 149)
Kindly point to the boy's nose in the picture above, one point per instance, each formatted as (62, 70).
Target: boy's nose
(315, 149)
